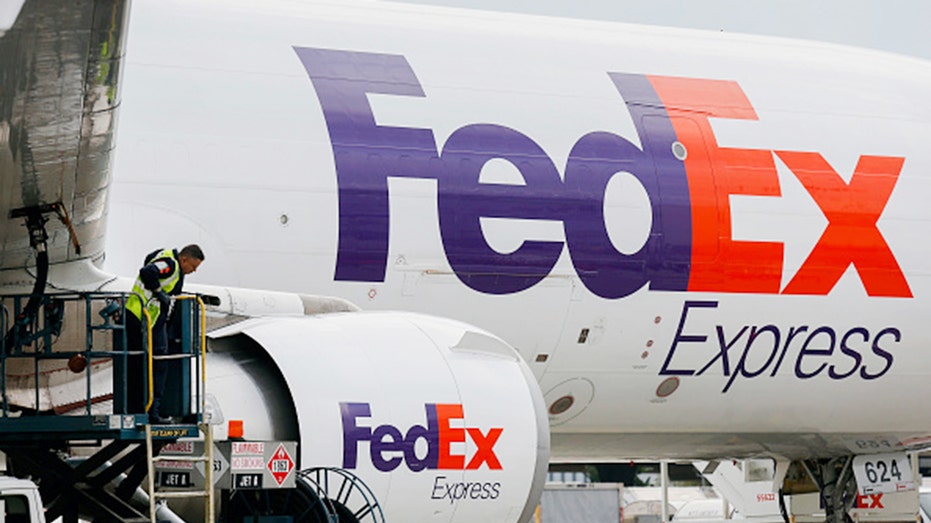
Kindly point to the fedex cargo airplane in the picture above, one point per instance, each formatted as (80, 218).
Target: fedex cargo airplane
(663, 244)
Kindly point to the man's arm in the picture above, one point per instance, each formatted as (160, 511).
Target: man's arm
(152, 273)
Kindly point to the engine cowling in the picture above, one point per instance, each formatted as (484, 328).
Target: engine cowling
(443, 421)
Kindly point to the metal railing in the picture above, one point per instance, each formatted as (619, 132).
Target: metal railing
(57, 339)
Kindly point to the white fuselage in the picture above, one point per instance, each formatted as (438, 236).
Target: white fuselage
(713, 244)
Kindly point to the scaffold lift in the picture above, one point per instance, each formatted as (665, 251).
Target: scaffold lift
(74, 401)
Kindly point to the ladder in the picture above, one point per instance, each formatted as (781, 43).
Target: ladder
(207, 491)
(207, 459)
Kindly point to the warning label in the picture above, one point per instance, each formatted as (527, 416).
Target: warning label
(236, 465)
(281, 464)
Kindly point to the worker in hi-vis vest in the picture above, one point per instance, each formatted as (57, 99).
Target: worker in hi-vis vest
(161, 276)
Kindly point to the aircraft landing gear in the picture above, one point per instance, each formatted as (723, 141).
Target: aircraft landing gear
(835, 480)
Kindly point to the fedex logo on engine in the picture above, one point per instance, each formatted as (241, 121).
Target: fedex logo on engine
(389, 446)
(686, 175)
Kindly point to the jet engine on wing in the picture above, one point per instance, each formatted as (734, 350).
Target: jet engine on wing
(444, 422)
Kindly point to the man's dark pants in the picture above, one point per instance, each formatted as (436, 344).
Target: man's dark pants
(137, 385)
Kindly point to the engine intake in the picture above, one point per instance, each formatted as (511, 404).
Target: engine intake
(442, 420)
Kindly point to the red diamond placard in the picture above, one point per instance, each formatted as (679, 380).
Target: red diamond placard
(281, 464)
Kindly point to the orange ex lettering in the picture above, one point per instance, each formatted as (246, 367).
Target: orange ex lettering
(851, 237)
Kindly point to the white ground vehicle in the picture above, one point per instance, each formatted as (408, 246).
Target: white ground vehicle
(20, 501)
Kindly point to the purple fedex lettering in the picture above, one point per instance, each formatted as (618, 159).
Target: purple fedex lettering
(367, 154)
(748, 352)
(462, 201)
(389, 447)
(387, 439)
(353, 433)
(664, 259)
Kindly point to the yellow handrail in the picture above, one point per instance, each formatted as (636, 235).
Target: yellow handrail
(148, 323)
(148, 326)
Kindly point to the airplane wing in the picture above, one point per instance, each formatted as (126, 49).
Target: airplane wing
(59, 96)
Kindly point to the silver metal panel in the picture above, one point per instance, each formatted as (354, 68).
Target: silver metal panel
(59, 94)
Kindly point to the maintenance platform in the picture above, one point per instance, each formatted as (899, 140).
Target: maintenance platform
(70, 382)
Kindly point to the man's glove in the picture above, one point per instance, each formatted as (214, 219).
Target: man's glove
(163, 299)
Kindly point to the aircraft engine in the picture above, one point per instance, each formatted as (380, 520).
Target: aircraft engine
(442, 421)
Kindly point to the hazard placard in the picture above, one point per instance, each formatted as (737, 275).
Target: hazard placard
(236, 465)
(280, 464)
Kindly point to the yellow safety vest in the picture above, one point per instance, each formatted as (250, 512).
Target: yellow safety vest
(141, 296)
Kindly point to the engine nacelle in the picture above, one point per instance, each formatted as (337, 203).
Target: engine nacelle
(443, 421)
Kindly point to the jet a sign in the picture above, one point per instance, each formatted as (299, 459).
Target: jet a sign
(686, 175)
(390, 446)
